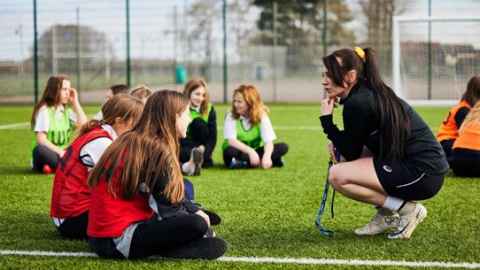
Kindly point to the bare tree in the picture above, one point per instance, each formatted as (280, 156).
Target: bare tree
(379, 15)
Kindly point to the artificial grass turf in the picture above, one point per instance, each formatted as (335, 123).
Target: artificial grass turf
(265, 213)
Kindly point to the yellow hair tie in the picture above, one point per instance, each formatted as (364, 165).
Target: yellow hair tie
(360, 52)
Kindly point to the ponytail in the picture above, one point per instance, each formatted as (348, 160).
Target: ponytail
(123, 106)
(394, 120)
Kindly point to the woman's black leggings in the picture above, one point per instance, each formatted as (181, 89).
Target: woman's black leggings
(199, 135)
(175, 237)
(43, 155)
(74, 227)
(465, 162)
(279, 150)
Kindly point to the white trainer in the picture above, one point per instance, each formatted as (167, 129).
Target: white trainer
(197, 157)
(408, 222)
(383, 220)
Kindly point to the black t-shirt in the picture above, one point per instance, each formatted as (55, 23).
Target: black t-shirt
(361, 128)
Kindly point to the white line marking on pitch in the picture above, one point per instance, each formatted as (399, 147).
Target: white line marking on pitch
(14, 126)
(272, 260)
(26, 125)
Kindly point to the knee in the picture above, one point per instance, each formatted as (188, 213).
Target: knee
(283, 148)
(199, 127)
(229, 152)
(198, 225)
(336, 177)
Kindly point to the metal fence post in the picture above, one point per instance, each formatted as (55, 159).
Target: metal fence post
(129, 81)
(35, 53)
(225, 67)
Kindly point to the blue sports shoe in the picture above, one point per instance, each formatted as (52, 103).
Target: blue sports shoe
(237, 164)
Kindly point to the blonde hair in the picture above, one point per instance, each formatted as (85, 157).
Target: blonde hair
(256, 108)
(141, 91)
(127, 107)
(193, 85)
(148, 152)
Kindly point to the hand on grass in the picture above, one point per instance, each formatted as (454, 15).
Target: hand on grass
(266, 162)
(254, 158)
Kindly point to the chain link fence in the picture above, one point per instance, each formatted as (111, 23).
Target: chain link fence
(276, 45)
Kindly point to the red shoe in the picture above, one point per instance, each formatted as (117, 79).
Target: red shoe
(46, 169)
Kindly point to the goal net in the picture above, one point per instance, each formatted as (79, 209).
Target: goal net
(433, 58)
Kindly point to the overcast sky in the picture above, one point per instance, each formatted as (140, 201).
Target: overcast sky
(152, 23)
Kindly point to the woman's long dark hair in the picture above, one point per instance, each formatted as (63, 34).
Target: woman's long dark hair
(393, 118)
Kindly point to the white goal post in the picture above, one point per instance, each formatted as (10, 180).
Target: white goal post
(454, 62)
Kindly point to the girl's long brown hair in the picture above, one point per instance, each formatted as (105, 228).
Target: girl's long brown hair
(256, 108)
(124, 106)
(50, 96)
(193, 85)
(148, 152)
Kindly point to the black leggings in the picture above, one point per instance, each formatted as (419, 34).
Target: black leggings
(279, 150)
(43, 155)
(447, 147)
(199, 135)
(75, 227)
(465, 162)
(176, 237)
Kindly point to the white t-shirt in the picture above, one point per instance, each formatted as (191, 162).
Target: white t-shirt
(42, 122)
(266, 129)
(91, 152)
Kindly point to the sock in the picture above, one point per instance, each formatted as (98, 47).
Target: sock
(188, 168)
(407, 207)
(385, 212)
(393, 203)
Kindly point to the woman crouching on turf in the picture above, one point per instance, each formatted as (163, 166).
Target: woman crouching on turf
(406, 162)
(249, 133)
(71, 194)
(138, 207)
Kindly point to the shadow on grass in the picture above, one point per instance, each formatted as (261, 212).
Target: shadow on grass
(18, 170)
(34, 231)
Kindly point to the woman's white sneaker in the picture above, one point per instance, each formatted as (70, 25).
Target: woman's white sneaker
(409, 221)
(383, 220)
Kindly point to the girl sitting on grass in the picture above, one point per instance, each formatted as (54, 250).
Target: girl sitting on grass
(449, 129)
(465, 158)
(249, 133)
(197, 148)
(138, 206)
(71, 194)
(53, 123)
